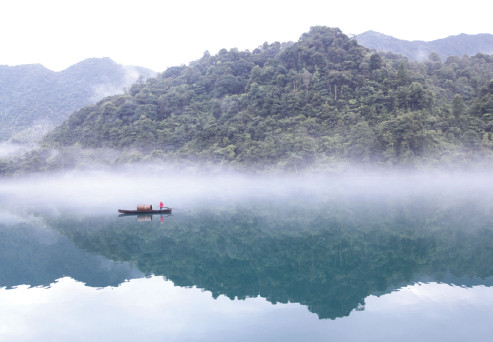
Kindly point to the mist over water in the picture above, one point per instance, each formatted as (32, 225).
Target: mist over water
(105, 190)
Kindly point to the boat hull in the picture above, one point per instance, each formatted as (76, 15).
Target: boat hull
(143, 212)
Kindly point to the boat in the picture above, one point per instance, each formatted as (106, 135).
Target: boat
(165, 210)
(146, 209)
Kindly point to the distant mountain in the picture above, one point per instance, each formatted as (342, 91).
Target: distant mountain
(35, 98)
(459, 45)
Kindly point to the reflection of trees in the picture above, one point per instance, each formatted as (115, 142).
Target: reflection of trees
(35, 256)
(328, 260)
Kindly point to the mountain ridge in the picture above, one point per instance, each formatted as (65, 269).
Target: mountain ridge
(455, 45)
(32, 94)
(313, 103)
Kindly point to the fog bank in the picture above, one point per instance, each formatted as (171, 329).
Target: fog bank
(107, 191)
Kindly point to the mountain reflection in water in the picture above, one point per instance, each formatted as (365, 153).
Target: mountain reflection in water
(328, 252)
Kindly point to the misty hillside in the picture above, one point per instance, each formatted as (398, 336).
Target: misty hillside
(459, 45)
(314, 103)
(31, 95)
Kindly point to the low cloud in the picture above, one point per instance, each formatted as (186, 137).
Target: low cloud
(102, 191)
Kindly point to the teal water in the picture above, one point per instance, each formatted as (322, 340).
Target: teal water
(359, 258)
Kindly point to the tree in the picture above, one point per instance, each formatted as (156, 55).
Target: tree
(402, 75)
(458, 106)
(361, 142)
(375, 62)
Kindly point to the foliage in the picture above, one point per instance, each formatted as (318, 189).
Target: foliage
(321, 100)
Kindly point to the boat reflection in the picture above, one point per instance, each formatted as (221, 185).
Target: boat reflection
(145, 217)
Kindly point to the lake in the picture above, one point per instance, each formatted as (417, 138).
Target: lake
(360, 257)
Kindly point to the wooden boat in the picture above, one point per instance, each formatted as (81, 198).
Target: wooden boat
(165, 210)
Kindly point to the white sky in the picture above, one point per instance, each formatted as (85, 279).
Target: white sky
(159, 34)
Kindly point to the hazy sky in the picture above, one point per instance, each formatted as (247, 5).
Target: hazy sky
(158, 33)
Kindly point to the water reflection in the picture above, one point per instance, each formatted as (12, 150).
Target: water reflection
(339, 250)
(327, 254)
(34, 254)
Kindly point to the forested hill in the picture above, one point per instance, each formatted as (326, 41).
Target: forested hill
(33, 95)
(315, 102)
(460, 45)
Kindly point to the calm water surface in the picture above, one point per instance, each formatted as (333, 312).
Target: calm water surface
(355, 258)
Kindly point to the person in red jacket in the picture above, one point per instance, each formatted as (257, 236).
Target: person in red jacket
(161, 205)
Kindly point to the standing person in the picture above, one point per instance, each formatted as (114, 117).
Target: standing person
(161, 205)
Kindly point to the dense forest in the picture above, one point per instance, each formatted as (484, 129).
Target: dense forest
(315, 103)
